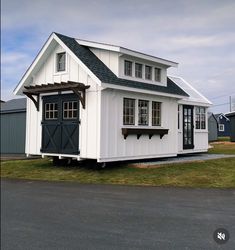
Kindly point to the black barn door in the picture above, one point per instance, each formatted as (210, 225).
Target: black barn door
(188, 140)
(60, 124)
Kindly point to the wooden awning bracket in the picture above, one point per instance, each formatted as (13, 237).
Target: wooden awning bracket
(81, 96)
(32, 97)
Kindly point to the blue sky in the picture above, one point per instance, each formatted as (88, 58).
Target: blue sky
(199, 35)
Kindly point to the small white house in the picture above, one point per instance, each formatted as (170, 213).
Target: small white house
(88, 100)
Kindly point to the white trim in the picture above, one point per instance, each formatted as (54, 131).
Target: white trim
(194, 103)
(222, 128)
(139, 157)
(61, 156)
(186, 151)
(138, 90)
(52, 37)
(221, 114)
(126, 51)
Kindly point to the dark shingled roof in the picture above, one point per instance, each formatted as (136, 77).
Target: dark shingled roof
(14, 106)
(107, 76)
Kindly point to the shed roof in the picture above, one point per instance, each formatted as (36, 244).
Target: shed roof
(230, 114)
(107, 76)
(193, 94)
(14, 106)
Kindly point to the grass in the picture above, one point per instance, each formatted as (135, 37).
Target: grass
(222, 148)
(205, 174)
(223, 138)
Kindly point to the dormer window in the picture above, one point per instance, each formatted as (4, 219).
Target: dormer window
(60, 62)
(157, 74)
(128, 68)
(138, 70)
(148, 72)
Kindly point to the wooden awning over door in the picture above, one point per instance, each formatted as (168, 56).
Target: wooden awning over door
(33, 92)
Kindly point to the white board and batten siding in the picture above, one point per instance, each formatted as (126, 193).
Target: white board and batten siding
(89, 127)
(114, 147)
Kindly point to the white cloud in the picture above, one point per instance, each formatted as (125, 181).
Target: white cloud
(198, 34)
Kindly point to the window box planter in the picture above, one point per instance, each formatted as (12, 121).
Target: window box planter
(144, 131)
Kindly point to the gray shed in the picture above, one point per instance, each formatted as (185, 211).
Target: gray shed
(212, 127)
(231, 116)
(13, 126)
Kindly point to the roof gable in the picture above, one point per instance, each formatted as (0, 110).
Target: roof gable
(220, 117)
(95, 67)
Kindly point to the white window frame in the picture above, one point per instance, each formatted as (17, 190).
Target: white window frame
(149, 74)
(139, 71)
(158, 116)
(202, 118)
(131, 68)
(221, 127)
(159, 70)
(128, 107)
(58, 64)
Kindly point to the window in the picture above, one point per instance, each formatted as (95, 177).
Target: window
(128, 111)
(128, 68)
(148, 72)
(60, 61)
(138, 70)
(156, 114)
(51, 111)
(143, 112)
(70, 110)
(157, 74)
(200, 118)
(221, 127)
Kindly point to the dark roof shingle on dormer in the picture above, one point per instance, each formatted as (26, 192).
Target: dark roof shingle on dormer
(107, 76)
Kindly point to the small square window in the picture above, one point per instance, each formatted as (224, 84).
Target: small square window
(60, 61)
(221, 127)
(148, 72)
(70, 110)
(51, 111)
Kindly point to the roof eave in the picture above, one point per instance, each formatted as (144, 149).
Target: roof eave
(140, 90)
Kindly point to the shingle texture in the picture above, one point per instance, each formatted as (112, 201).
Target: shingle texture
(105, 75)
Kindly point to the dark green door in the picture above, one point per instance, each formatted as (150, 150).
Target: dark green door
(60, 124)
(188, 140)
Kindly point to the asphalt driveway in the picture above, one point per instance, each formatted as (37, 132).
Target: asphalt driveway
(52, 215)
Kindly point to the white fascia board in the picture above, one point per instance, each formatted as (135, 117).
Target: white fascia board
(39, 56)
(148, 57)
(126, 51)
(194, 103)
(137, 90)
(98, 45)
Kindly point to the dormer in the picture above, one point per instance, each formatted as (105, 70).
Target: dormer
(131, 65)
